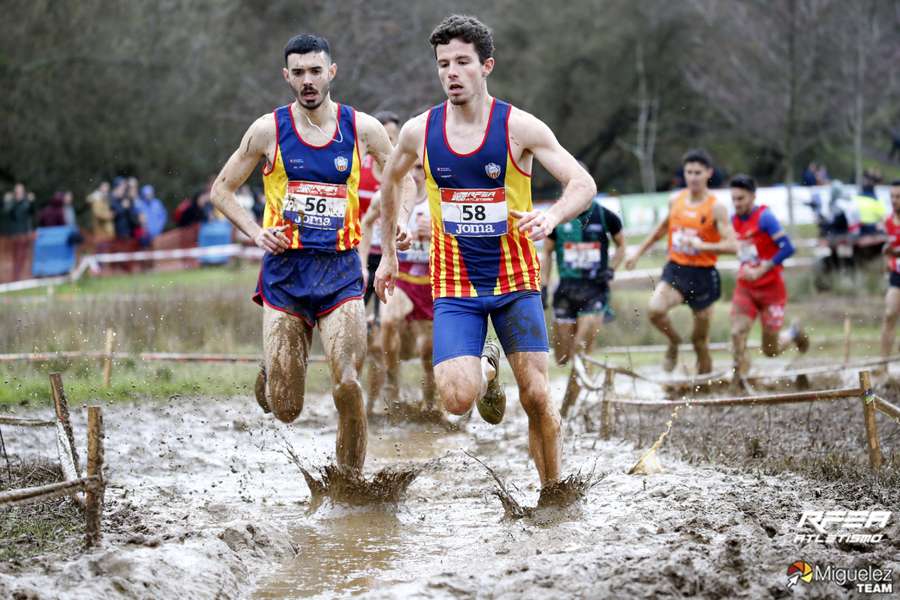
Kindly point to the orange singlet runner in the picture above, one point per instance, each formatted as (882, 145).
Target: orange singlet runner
(688, 221)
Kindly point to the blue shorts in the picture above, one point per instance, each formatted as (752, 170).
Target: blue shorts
(460, 324)
(307, 283)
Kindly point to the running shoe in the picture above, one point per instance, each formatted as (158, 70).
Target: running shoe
(261, 389)
(492, 406)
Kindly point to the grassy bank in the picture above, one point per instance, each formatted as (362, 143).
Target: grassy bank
(208, 310)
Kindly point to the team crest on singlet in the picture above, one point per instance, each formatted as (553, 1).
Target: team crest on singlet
(341, 163)
(492, 170)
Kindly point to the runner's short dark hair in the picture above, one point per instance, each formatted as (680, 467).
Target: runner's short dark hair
(386, 116)
(744, 182)
(697, 155)
(306, 43)
(468, 29)
(895, 183)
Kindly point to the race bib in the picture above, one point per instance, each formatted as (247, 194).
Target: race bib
(582, 255)
(681, 241)
(747, 253)
(474, 213)
(417, 253)
(315, 205)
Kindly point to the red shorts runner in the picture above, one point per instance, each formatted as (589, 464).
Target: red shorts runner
(768, 302)
(420, 294)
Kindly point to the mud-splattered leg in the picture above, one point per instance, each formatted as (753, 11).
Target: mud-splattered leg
(664, 299)
(286, 341)
(393, 318)
(700, 339)
(424, 349)
(588, 326)
(889, 321)
(375, 369)
(740, 329)
(344, 338)
(544, 438)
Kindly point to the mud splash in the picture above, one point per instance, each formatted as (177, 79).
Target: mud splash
(347, 486)
(563, 494)
(400, 412)
(344, 485)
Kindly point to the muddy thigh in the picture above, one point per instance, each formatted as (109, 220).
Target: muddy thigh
(286, 341)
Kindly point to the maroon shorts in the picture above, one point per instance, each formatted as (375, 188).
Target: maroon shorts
(420, 294)
(768, 302)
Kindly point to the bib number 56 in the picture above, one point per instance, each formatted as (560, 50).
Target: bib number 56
(315, 205)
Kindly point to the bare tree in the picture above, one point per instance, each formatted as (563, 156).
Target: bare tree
(766, 73)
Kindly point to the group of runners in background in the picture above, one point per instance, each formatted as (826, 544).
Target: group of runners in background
(435, 219)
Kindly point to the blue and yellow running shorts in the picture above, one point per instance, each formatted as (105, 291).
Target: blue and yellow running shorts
(460, 324)
(309, 283)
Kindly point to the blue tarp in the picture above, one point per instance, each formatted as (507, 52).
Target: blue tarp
(214, 233)
(54, 252)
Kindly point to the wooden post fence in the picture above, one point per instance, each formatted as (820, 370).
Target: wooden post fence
(868, 401)
(93, 484)
(871, 402)
(108, 360)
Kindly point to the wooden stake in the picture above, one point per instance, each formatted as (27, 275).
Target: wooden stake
(847, 343)
(571, 393)
(62, 417)
(94, 495)
(606, 406)
(107, 361)
(868, 399)
(887, 408)
(41, 493)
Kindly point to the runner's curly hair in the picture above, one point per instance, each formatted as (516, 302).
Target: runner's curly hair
(468, 29)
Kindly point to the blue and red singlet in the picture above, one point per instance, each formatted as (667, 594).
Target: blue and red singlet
(315, 188)
(476, 250)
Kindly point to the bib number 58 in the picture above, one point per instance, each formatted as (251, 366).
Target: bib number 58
(473, 213)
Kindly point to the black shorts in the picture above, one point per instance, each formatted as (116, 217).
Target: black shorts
(574, 298)
(700, 286)
(895, 279)
(371, 266)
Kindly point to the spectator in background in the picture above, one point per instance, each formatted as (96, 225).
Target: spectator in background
(245, 198)
(871, 211)
(4, 220)
(54, 214)
(126, 221)
(822, 177)
(69, 207)
(259, 206)
(18, 213)
(810, 175)
(131, 189)
(153, 213)
(195, 210)
(101, 213)
(895, 144)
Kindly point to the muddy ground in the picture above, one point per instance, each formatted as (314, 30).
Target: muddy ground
(203, 502)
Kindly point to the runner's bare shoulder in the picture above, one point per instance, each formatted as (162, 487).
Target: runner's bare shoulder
(527, 131)
(261, 137)
(412, 134)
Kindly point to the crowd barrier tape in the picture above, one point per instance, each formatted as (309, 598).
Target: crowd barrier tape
(93, 262)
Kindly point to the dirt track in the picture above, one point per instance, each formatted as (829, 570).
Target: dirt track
(219, 511)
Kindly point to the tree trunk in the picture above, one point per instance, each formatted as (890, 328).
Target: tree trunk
(791, 123)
